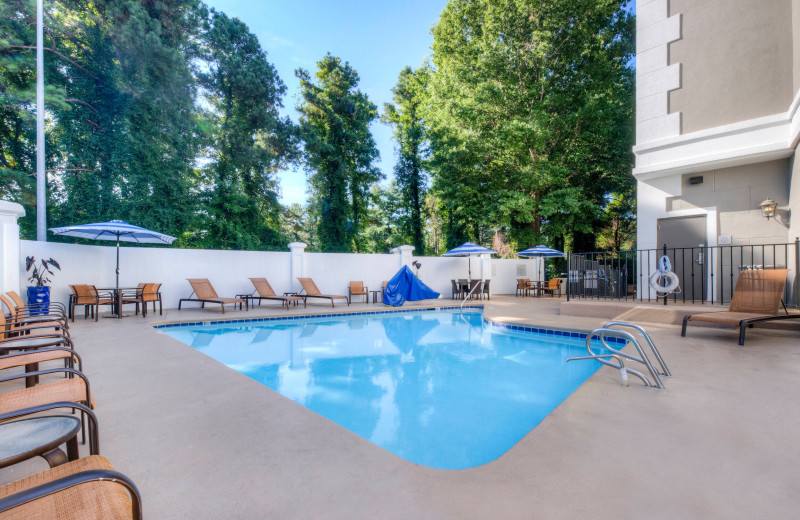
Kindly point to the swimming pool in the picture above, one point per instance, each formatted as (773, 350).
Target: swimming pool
(440, 388)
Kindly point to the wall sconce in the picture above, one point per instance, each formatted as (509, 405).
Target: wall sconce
(768, 208)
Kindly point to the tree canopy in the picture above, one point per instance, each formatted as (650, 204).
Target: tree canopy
(516, 131)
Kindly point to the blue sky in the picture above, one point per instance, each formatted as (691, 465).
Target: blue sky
(378, 38)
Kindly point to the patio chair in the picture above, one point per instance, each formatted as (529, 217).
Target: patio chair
(21, 316)
(486, 288)
(523, 286)
(30, 359)
(756, 298)
(313, 292)
(84, 488)
(53, 307)
(91, 299)
(74, 389)
(205, 293)
(553, 285)
(266, 292)
(457, 291)
(152, 293)
(357, 289)
(16, 330)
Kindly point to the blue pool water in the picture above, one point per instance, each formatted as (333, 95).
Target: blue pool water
(439, 388)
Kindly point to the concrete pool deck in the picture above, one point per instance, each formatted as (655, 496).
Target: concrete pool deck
(202, 441)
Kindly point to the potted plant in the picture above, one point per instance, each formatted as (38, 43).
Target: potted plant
(39, 293)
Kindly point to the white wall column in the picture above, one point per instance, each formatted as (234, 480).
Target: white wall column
(404, 254)
(9, 245)
(298, 263)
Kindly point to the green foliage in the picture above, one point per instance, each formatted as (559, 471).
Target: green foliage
(299, 225)
(530, 107)
(339, 151)
(385, 222)
(127, 129)
(249, 141)
(409, 132)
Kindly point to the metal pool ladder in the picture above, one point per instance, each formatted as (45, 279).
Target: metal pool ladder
(612, 330)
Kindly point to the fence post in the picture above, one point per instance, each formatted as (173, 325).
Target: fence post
(796, 273)
(665, 294)
(297, 266)
(9, 245)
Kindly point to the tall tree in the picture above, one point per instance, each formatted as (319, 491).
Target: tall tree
(339, 151)
(250, 140)
(405, 114)
(530, 108)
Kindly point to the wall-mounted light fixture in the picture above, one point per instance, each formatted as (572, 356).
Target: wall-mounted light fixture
(768, 208)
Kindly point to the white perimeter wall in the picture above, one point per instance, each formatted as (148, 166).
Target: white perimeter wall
(229, 271)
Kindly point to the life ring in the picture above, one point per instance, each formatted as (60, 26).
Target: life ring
(671, 282)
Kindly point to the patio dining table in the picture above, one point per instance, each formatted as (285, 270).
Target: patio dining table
(116, 295)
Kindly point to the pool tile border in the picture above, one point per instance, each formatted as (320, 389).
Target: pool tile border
(492, 323)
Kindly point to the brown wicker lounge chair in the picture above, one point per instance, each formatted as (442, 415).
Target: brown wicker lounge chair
(205, 293)
(313, 292)
(756, 298)
(265, 292)
(84, 488)
(357, 289)
(15, 330)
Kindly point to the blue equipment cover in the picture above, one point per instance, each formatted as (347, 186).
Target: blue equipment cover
(405, 286)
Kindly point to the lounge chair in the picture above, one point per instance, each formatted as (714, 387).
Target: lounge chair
(313, 292)
(756, 298)
(205, 293)
(357, 289)
(265, 292)
(84, 488)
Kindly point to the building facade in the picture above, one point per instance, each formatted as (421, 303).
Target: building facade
(717, 124)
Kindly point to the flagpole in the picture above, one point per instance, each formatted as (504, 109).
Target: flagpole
(41, 180)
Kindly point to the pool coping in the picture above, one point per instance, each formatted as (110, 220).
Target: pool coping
(562, 332)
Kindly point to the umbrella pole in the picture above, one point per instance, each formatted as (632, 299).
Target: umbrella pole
(117, 286)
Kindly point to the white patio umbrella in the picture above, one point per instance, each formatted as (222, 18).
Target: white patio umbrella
(469, 249)
(114, 230)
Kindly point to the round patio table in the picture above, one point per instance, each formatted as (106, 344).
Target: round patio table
(26, 438)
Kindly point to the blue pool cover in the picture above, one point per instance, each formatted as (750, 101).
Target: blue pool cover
(404, 286)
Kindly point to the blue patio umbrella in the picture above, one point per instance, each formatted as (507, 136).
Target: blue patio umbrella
(114, 230)
(469, 249)
(541, 252)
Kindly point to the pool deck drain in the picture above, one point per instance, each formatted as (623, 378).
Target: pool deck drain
(202, 441)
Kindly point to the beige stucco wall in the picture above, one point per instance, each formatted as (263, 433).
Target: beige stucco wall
(736, 194)
(744, 69)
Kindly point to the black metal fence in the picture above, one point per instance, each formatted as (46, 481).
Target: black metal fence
(706, 274)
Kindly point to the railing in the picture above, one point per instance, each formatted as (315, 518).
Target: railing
(707, 274)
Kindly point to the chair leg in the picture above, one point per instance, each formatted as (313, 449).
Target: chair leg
(742, 330)
(685, 322)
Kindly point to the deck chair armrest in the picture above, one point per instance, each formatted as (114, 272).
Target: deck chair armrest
(95, 475)
(55, 336)
(47, 349)
(58, 305)
(94, 439)
(28, 328)
(53, 371)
